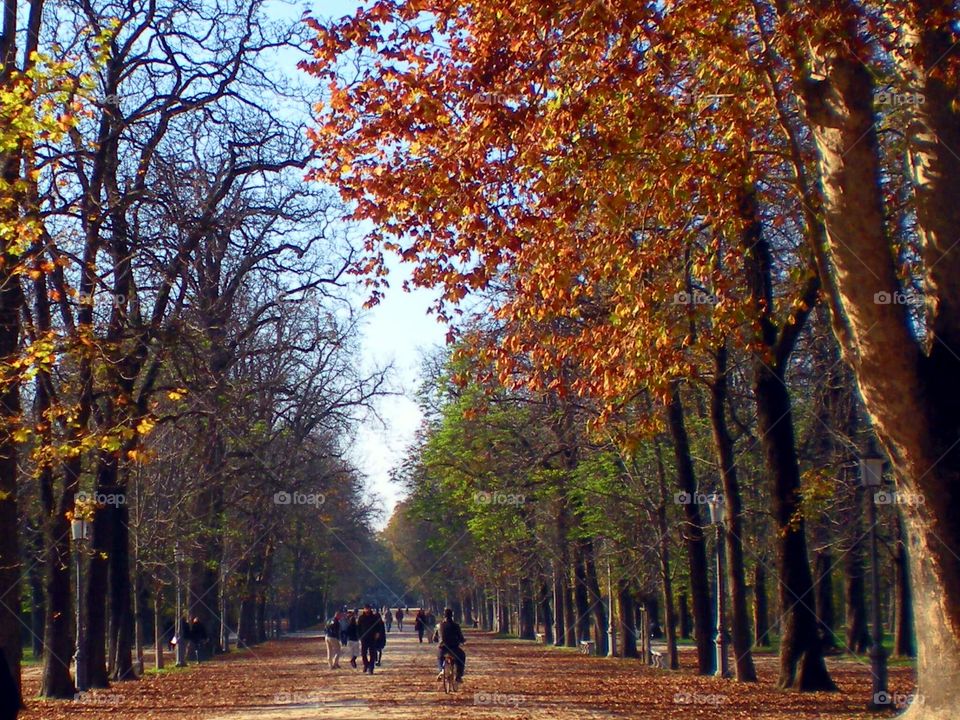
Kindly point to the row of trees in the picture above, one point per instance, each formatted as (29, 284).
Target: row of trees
(178, 336)
(656, 206)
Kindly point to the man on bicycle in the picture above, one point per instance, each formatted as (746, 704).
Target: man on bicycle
(451, 641)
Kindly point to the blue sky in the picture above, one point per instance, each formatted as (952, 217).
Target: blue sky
(398, 331)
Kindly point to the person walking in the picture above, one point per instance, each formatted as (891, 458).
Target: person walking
(353, 638)
(198, 639)
(399, 619)
(381, 642)
(367, 626)
(388, 619)
(420, 624)
(333, 644)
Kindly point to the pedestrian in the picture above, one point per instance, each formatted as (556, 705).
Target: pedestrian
(388, 619)
(344, 622)
(333, 644)
(420, 624)
(353, 638)
(400, 619)
(198, 638)
(367, 626)
(381, 641)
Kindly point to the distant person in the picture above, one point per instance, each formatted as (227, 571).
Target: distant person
(388, 619)
(353, 638)
(344, 617)
(431, 622)
(198, 638)
(381, 641)
(400, 619)
(9, 696)
(333, 644)
(451, 641)
(420, 624)
(367, 627)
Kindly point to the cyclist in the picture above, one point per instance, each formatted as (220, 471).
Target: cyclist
(451, 641)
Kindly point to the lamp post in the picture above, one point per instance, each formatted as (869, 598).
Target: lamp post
(178, 624)
(871, 478)
(715, 504)
(80, 532)
(611, 626)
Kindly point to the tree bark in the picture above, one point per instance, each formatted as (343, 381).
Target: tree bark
(908, 386)
(823, 565)
(693, 535)
(663, 546)
(732, 516)
(761, 617)
(903, 641)
(628, 623)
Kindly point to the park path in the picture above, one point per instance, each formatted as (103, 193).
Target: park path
(288, 679)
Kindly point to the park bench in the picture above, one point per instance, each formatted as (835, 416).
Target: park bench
(539, 637)
(586, 647)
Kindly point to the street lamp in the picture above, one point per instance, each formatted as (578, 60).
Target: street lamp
(80, 532)
(715, 504)
(871, 478)
(178, 624)
(611, 626)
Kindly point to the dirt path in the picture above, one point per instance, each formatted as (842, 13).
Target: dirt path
(288, 680)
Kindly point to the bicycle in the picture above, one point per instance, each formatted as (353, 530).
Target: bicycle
(449, 673)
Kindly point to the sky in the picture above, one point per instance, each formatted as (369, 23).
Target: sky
(397, 332)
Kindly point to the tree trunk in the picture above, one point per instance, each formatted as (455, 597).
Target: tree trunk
(686, 622)
(693, 535)
(732, 516)
(628, 623)
(96, 590)
(59, 632)
(908, 385)
(600, 626)
(527, 614)
(121, 608)
(581, 593)
(802, 664)
(903, 643)
(546, 612)
(159, 638)
(663, 545)
(823, 566)
(761, 621)
(559, 603)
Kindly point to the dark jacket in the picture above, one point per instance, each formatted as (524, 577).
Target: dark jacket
(333, 630)
(352, 631)
(451, 636)
(366, 628)
(381, 630)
